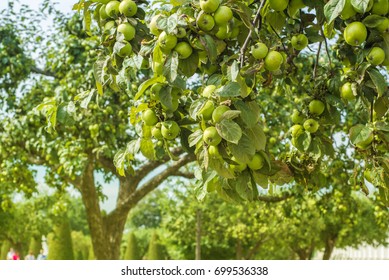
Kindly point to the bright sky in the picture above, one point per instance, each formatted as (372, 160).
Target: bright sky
(63, 5)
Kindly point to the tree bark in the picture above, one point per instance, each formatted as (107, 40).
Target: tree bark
(198, 234)
(329, 248)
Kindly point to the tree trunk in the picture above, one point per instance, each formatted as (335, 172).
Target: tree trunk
(239, 250)
(329, 248)
(198, 234)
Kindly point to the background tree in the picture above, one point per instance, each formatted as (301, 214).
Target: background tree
(132, 250)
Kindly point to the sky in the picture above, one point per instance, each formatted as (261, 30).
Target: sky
(110, 190)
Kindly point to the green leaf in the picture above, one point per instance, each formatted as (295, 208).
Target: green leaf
(248, 116)
(171, 23)
(195, 107)
(189, 66)
(360, 133)
(276, 20)
(378, 80)
(243, 186)
(372, 21)
(261, 179)
(229, 131)
(234, 70)
(229, 90)
(147, 148)
(146, 84)
(244, 150)
(303, 141)
(177, 3)
(333, 9)
(210, 47)
(87, 19)
(231, 114)
(171, 67)
(165, 97)
(256, 136)
(119, 160)
(360, 5)
(195, 137)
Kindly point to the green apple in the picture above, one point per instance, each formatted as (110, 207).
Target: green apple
(376, 56)
(273, 61)
(167, 41)
(383, 27)
(213, 151)
(209, 6)
(316, 107)
(156, 88)
(296, 130)
(239, 166)
(222, 32)
(128, 8)
(208, 90)
(355, 33)
(183, 49)
(211, 136)
(156, 132)
(103, 13)
(206, 111)
(149, 117)
(112, 9)
(348, 11)
(223, 15)
(181, 32)
(299, 42)
(294, 6)
(380, 7)
(205, 22)
(278, 5)
(153, 26)
(126, 50)
(170, 130)
(311, 125)
(127, 30)
(259, 50)
(218, 113)
(346, 91)
(257, 162)
(297, 117)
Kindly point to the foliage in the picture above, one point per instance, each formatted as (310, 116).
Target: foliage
(60, 243)
(132, 250)
(5, 246)
(156, 249)
(35, 245)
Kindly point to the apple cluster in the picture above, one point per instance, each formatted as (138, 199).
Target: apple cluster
(116, 18)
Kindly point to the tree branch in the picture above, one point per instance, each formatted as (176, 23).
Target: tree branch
(156, 181)
(317, 60)
(39, 71)
(188, 175)
(249, 36)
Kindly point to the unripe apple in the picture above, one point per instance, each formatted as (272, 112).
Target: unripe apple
(205, 22)
(211, 136)
(223, 15)
(127, 30)
(316, 107)
(156, 132)
(209, 6)
(213, 152)
(128, 8)
(103, 13)
(369, 7)
(311, 125)
(297, 117)
(149, 117)
(167, 41)
(112, 9)
(296, 130)
(170, 130)
(259, 50)
(207, 110)
(363, 145)
(299, 42)
(153, 26)
(383, 27)
(257, 162)
(184, 50)
(208, 90)
(222, 32)
(126, 50)
(348, 11)
(376, 56)
(273, 61)
(380, 7)
(355, 33)
(239, 167)
(346, 91)
(218, 113)
(181, 32)
(278, 5)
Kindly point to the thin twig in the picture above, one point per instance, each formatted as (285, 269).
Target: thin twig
(249, 36)
(279, 37)
(326, 45)
(317, 60)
